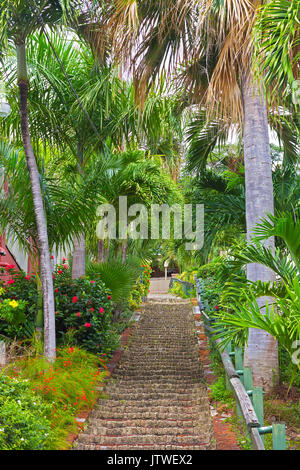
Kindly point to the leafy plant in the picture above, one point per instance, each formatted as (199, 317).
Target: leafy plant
(24, 417)
(58, 390)
(118, 276)
(84, 305)
(22, 289)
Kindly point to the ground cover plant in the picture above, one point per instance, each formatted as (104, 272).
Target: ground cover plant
(40, 399)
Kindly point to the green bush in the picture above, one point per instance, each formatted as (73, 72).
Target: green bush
(211, 290)
(21, 288)
(220, 393)
(58, 391)
(118, 276)
(210, 269)
(141, 287)
(24, 417)
(83, 310)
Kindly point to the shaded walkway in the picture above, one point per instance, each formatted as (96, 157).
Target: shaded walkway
(158, 398)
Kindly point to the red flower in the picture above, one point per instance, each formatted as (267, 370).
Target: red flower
(101, 310)
(10, 266)
(92, 282)
(52, 257)
(28, 278)
(91, 309)
(53, 277)
(59, 271)
(65, 266)
(216, 307)
(56, 290)
(87, 325)
(64, 259)
(11, 281)
(109, 297)
(78, 314)
(70, 350)
(74, 300)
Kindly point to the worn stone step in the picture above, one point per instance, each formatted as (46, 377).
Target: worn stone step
(156, 397)
(145, 423)
(141, 439)
(143, 431)
(183, 447)
(155, 413)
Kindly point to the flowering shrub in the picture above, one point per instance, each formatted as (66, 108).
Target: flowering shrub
(24, 417)
(18, 320)
(12, 311)
(141, 287)
(211, 290)
(61, 388)
(83, 310)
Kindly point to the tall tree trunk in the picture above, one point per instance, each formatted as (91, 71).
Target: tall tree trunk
(124, 250)
(261, 354)
(101, 248)
(45, 266)
(78, 264)
(106, 250)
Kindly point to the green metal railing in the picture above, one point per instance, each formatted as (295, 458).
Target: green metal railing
(249, 399)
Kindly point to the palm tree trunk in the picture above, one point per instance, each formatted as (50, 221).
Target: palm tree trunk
(78, 264)
(101, 248)
(124, 250)
(261, 354)
(45, 266)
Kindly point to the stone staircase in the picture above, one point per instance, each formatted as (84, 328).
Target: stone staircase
(156, 397)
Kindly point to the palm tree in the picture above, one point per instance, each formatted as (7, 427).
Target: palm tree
(18, 20)
(165, 33)
(277, 53)
(58, 119)
(67, 206)
(141, 179)
(242, 312)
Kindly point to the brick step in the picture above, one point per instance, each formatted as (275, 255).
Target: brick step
(138, 440)
(153, 396)
(183, 447)
(131, 401)
(156, 347)
(142, 431)
(155, 387)
(147, 375)
(156, 397)
(158, 369)
(145, 423)
(138, 382)
(155, 413)
(163, 356)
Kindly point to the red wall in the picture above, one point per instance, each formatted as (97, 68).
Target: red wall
(8, 258)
